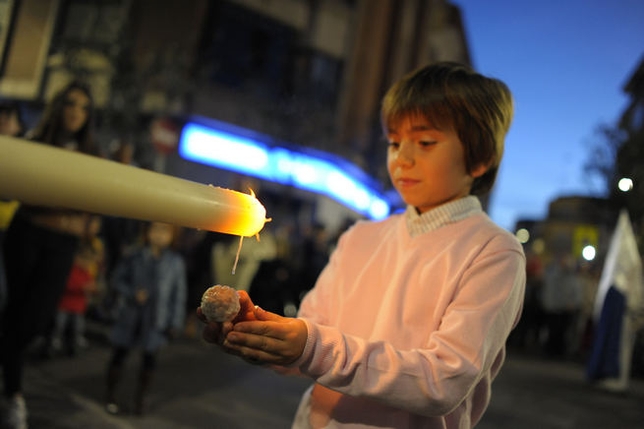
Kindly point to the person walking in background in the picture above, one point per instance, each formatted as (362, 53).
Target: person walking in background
(11, 124)
(561, 301)
(195, 248)
(151, 282)
(315, 255)
(406, 326)
(82, 284)
(527, 335)
(120, 236)
(39, 247)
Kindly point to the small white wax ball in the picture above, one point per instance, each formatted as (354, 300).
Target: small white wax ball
(220, 303)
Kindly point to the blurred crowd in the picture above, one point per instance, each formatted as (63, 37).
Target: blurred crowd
(140, 282)
(558, 315)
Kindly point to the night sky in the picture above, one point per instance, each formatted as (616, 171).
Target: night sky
(566, 62)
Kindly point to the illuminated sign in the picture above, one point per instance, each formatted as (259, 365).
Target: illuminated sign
(320, 174)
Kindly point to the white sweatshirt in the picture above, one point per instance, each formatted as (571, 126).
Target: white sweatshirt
(407, 323)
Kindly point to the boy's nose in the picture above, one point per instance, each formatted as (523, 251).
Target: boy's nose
(405, 154)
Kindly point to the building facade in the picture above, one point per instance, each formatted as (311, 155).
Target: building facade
(307, 72)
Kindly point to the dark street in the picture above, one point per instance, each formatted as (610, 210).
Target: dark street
(199, 387)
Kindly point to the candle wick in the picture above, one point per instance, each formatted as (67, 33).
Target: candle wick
(241, 239)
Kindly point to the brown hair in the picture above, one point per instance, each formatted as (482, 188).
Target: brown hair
(50, 129)
(453, 96)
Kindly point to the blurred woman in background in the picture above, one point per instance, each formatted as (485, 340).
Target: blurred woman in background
(40, 244)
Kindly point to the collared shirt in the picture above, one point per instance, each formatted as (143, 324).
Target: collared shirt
(451, 212)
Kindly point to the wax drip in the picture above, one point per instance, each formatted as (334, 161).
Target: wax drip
(241, 239)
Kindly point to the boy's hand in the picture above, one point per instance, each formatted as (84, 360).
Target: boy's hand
(269, 339)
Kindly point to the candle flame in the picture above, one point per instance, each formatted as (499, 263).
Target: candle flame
(241, 237)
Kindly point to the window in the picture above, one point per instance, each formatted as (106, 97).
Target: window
(90, 22)
(249, 51)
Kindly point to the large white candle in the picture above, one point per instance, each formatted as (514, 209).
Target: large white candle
(48, 176)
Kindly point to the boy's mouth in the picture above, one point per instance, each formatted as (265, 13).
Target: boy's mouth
(405, 181)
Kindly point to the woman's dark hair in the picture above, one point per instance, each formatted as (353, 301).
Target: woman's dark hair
(50, 129)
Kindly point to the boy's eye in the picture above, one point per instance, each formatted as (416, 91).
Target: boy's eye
(394, 145)
(427, 143)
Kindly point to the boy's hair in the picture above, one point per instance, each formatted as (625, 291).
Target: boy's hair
(453, 96)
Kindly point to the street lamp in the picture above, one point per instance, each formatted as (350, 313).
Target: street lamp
(523, 235)
(589, 252)
(625, 184)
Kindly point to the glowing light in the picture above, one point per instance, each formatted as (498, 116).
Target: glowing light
(222, 150)
(523, 235)
(322, 174)
(625, 184)
(378, 209)
(588, 253)
(539, 246)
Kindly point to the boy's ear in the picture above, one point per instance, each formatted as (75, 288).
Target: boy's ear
(480, 170)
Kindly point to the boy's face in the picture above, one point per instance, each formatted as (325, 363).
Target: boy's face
(427, 166)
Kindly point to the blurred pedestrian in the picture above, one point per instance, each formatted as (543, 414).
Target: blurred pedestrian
(151, 282)
(314, 257)
(195, 248)
(82, 285)
(40, 245)
(527, 334)
(120, 236)
(11, 124)
(561, 300)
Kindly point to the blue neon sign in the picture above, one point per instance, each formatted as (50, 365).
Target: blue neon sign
(230, 151)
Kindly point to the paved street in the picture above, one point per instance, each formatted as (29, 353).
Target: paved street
(197, 386)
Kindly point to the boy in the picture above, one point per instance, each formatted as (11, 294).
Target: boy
(406, 325)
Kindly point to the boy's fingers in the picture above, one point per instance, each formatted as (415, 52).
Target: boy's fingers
(245, 302)
(264, 315)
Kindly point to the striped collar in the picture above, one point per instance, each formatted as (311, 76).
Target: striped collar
(453, 211)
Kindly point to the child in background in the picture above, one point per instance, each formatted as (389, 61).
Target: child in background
(151, 282)
(73, 304)
(406, 325)
(82, 284)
